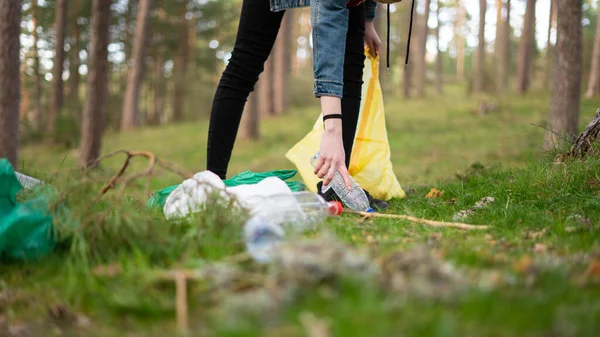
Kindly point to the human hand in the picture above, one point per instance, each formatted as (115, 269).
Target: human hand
(332, 157)
(372, 39)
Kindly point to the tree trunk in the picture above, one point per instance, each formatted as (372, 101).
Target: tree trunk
(56, 98)
(438, 60)
(36, 116)
(131, 113)
(506, 51)
(249, 125)
(564, 106)
(593, 88)
(181, 64)
(499, 43)
(10, 31)
(281, 61)
(75, 61)
(460, 40)
(524, 66)
(159, 90)
(97, 85)
(421, 64)
(265, 89)
(480, 57)
(380, 26)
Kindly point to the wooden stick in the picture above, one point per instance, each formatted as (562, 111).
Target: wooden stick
(431, 223)
(182, 307)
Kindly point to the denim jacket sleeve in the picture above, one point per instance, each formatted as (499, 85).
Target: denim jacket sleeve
(329, 20)
(371, 8)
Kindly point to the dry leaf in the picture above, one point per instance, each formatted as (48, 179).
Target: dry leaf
(524, 264)
(594, 269)
(537, 235)
(539, 248)
(110, 270)
(434, 193)
(315, 327)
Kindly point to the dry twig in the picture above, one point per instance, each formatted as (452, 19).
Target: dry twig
(431, 223)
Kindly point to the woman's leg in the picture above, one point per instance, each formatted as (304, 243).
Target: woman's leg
(354, 62)
(256, 35)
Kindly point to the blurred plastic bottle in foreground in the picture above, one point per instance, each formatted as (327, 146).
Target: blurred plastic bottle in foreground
(273, 215)
(354, 198)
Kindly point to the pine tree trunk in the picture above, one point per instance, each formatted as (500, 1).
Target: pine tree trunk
(56, 98)
(181, 64)
(10, 31)
(265, 89)
(381, 26)
(506, 51)
(250, 123)
(438, 60)
(36, 116)
(159, 90)
(525, 62)
(593, 88)
(281, 62)
(480, 57)
(460, 40)
(421, 64)
(75, 61)
(97, 85)
(131, 113)
(564, 106)
(499, 43)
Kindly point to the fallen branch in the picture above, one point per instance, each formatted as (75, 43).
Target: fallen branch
(152, 162)
(583, 143)
(431, 223)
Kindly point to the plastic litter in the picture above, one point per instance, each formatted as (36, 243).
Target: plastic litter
(370, 163)
(354, 198)
(159, 197)
(281, 214)
(26, 228)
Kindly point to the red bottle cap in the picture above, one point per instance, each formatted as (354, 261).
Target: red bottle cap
(335, 207)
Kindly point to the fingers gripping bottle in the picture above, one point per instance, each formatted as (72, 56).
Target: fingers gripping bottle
(354, 198)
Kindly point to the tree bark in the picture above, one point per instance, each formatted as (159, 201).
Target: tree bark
(281, 61)
(36, 116)
(159, 90)
(250, 123)
(421, 64)
(480, 57)
(583, 143)
(499, 43)
(593, 88)
(181, 65)
(438, 60)
(265, 89)
(10, 31)
(564, 106)
(97, 85)
(459, 26)
(56, 98)
(75, 61)
(524, 65)
(506, 51)
(131, 113)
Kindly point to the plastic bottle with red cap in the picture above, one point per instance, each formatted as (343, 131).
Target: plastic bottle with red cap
(281, 214)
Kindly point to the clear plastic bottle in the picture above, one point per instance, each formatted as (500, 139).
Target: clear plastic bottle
(26, 181)
(272, 215)
(354, 198)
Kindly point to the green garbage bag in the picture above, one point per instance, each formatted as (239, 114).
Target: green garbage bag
(26, 228)
(159, 198)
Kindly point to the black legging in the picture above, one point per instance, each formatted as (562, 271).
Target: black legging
(257, 31)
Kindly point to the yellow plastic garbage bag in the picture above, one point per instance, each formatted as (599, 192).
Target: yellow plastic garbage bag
(370, 163)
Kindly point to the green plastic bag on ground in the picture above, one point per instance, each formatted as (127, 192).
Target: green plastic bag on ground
(26, 228)
(159, 198)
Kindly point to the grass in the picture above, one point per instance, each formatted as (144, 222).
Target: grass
(531, 266)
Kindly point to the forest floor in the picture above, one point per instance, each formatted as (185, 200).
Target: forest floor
(534, 272)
